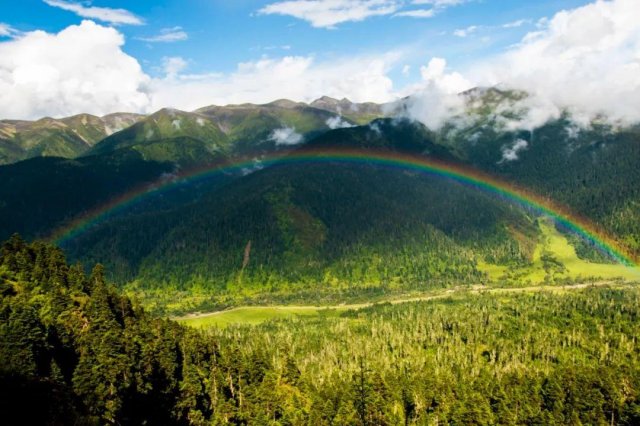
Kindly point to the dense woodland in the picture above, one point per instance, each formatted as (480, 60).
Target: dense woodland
(313, 231)
(74, 351)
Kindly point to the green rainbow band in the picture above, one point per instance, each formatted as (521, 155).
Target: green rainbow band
(459, 173)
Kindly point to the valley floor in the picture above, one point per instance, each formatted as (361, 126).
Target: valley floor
(259, 314)
(554, 261)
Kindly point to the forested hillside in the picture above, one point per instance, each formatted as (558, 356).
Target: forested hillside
(591, 168)
(309, 230)
(38, 195)
(295, 232)
(74, 351)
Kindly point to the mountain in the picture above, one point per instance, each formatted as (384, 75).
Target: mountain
(360, 113)
(169, 135)
(592, 169)
(295, 231)
(278, 125)
(314, 230)
(157, 145)
(41, 194)
(231, 129)
(65, 137)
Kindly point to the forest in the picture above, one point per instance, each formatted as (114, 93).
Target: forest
(73, 350)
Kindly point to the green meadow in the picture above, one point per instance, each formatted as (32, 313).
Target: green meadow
(555, 258)
(256, 315)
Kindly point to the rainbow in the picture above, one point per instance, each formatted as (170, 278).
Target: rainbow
(456, 172)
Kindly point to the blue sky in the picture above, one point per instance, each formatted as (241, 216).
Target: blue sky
(60, 57)
(222, 33)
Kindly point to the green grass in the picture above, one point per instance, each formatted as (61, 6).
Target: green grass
(556, 248)
(255, 315)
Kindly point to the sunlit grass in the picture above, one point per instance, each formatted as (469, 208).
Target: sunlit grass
(556, 245)
(255, 315)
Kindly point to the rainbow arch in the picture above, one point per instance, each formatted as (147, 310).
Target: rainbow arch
(456, 172)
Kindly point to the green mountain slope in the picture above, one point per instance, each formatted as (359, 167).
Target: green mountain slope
(592, 169)
(234, 130)
(239, 129)
(66, 137)
(250, 128)
(302, 230)
(163, 125)
(41, 194)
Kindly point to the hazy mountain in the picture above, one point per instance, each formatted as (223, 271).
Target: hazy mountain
(65, 137)
(360, 113)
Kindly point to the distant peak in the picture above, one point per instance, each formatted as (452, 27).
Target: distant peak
(284, 103)
(327, 100)
(171, 112)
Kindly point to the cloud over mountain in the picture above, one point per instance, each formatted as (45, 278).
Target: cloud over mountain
(300, 78)
(80, 69)
(586, 60)
(84, 69)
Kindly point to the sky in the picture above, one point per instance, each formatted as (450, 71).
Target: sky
(63, 57)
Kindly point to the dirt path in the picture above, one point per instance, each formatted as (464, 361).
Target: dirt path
(432, 296)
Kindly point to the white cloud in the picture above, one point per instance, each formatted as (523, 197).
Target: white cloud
(510, 153)
(417, 13)
(329, 13)
(440, 3)
(167, 35)
(436, 98)
(83, 69)
(299, 78)
(80, 69)
(450, 83)
(274, 47)
(286, 136)
(7, 30)
(105, 14)
(172, 65)
(463, 32)
(516, 24)
(436, 7)
(586, 60)
(338, 122)
(406, 70)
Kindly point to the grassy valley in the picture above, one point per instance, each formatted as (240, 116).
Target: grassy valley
(91, 356)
